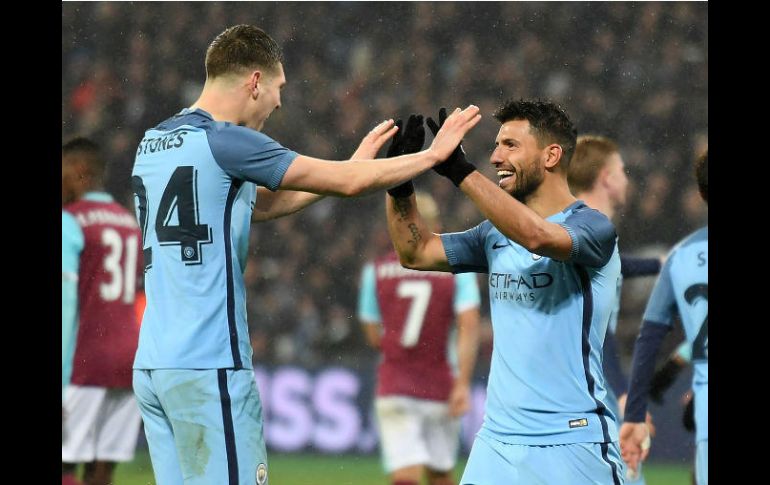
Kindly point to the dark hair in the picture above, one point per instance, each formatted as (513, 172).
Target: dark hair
(84, 149)
(591, 155)
(239, 48)
(702, 175)
(548, 121)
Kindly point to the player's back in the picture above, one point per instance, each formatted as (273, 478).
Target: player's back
(108, 271)
(186, 205)
(686, 271)
(417, 315)
(194, 180)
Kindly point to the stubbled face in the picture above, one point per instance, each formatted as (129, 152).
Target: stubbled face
(518, 160)
(269, 99)
(616, 180)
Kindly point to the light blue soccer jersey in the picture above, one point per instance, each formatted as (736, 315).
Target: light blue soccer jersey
(72, 242)
(682, 288)
(549, 318)
(194, 181)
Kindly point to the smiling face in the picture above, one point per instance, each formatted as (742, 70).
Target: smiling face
(518, 159)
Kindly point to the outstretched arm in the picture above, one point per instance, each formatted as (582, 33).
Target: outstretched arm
(357, 177)
(515, 220)
(271, 205)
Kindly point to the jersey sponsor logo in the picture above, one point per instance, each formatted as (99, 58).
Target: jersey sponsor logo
(531, 281)
(261, 474)
(578, 423)
(519, 288)
(498, 246)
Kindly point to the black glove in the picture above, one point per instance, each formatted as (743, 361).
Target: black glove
(663, 379)
(456, 167)
(409, 140)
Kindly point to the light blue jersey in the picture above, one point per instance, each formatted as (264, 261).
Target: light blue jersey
(682, 288)
(194, 180)
(72, 242)
(546, 385)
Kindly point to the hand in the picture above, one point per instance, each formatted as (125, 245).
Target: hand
(373, 141)
(410, 140)
(459, 399)
(634, 444)
(456, 166)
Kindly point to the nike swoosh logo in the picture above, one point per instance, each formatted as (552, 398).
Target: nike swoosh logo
(495, 246)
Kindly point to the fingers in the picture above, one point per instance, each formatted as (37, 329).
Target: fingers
(382, 127)
(413, 122)
(442, 116)
(434, 127)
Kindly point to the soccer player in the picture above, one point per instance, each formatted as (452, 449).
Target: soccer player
(195, 179)
(553, 267)
(101, 258)
(408, 316)
(681, 288)
(597, 176)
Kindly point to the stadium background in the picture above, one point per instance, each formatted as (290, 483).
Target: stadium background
(636, 72)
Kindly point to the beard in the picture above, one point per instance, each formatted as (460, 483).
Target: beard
(527, 183)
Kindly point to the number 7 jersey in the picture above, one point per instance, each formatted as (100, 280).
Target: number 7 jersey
(416, 310)
(194, 185)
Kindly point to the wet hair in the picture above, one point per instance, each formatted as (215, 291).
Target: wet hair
(702, 175)
(548, 121)
(240, 48)
(591, 155)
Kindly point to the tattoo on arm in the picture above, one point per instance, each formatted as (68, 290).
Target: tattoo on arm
(402, 206)
(416, 236)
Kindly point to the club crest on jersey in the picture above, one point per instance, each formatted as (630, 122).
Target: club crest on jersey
(261, 474)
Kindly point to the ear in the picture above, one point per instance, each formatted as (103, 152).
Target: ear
(553, 153)
(603, 176)
(254, 78)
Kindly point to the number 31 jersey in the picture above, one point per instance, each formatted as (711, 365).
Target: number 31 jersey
(416, 310)
(194, 185)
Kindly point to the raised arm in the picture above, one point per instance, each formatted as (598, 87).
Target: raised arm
(271, 205)
(416, 245)
(517, 221)
(358, 177)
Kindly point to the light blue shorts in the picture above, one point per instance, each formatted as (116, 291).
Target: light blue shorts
(702, 462)
(203, 427)
(492, 462)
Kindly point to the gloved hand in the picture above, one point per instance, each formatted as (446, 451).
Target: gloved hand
(456, 167)
(409, 140)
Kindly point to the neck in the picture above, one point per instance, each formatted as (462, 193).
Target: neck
(599, 201)
(222, 101)
(551, 197)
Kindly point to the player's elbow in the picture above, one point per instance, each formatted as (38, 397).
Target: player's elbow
(410, 261)
(352, 187)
